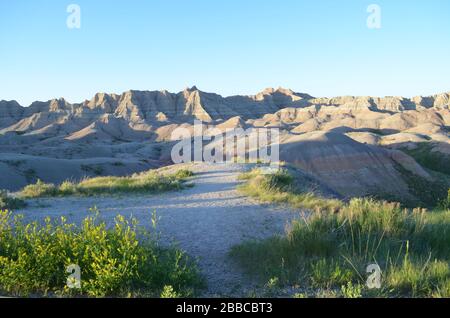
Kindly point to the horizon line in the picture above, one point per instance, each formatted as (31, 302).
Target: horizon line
(195, 88)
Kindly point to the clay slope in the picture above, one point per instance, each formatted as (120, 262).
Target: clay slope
(349, 167)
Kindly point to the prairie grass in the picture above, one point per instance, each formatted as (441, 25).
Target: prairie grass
(148, 182)
(122, 261)
(331, 249)
(279, 188)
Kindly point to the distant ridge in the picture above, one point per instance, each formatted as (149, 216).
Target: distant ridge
(143, 106)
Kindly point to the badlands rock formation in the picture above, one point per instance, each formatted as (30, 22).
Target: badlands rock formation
(351, 144)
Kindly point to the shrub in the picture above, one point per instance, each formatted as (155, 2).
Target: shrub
(113, 262)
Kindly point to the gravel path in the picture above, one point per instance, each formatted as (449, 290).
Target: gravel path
(205, 220)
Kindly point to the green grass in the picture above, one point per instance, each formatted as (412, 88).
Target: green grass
(10, 203)
(427, 158)
(148, 182)
(279, 188)
(123, 261)
(328, 252)
(428, 193)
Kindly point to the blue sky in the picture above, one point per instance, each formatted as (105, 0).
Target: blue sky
(321, 47)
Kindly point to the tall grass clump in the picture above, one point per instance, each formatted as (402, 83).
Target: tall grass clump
(148, 182)
(279, 188)
(330, 250)
(121, 261)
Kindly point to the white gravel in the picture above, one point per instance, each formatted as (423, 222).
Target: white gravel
(205, 220)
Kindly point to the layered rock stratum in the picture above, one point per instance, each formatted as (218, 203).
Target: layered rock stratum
(351, 144)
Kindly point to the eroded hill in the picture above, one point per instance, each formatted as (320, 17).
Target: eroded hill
(354, 145)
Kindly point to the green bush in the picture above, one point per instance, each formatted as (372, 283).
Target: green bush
(122, 261)
(148, 182)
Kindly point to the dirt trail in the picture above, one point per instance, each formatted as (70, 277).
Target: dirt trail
(205, 220)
